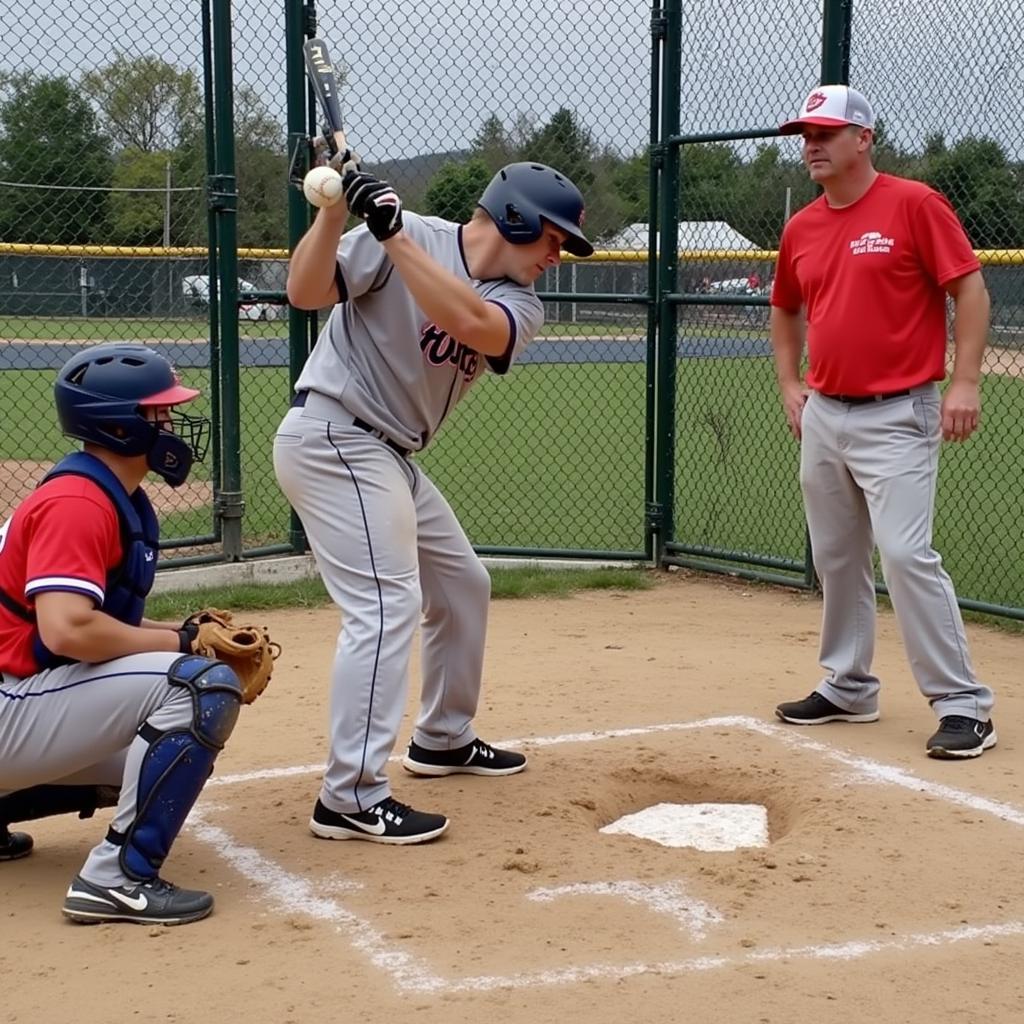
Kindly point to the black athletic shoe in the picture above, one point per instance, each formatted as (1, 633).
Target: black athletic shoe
(476, 758)
(14, 844)
(386, 822)
(151, 902)
(815, 709)
(959, 736)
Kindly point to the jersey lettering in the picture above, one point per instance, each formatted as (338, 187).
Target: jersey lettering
(440, 348)
(3, 532)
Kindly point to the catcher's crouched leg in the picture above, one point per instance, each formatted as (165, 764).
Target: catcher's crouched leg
(44, 802)
(177, 764)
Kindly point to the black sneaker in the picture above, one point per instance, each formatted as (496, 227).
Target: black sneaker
(14, 844)
(815, 709)
(476, 758)
(151, 902)
(959, 736)
(386, 822)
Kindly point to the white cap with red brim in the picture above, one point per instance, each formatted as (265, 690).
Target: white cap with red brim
(832, 106)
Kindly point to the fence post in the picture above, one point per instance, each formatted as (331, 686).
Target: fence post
(223, 197)
(660, 517)
(299, 21)
(837, 19)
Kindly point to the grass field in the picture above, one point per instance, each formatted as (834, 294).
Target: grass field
(553, 457)
(91, 329)
(95, 329)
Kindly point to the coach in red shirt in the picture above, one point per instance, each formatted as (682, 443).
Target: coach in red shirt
(864, 272)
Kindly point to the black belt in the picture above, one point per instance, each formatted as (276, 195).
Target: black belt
(300, 400)
(867, 399)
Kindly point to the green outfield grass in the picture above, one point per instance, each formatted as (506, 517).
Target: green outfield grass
(553, 457)
(92, 329)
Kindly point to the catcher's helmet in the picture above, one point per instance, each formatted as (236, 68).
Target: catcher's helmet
(521, 196)
(102, 392)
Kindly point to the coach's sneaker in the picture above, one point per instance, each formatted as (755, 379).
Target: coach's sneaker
(151, 902)
(14, 844)
(476, 758)
(816, 710)
(959, 736)
(386, 822)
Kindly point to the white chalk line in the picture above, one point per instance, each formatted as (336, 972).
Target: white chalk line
(670, 898)
(851, 950)
(290, 893)
(865, 768)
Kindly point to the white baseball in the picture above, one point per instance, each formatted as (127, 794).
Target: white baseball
(322, 186)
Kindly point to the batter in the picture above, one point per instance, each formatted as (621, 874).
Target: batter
(422, 308)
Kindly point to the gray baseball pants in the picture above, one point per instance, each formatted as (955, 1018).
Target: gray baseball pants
(78, 725)
(868, 474)
(391, 552)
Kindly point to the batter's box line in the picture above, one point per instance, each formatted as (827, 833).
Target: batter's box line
(292, 894)
(863, 769)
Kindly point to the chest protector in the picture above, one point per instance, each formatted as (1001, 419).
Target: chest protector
(131, 580)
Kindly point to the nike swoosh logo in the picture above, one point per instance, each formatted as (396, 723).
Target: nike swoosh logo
(374, 830)
(135, 902)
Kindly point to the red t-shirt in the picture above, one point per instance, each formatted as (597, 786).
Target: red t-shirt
(870, 277)
(64, 536)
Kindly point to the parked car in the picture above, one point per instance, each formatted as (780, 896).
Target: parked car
(196, 289)
(730, 286)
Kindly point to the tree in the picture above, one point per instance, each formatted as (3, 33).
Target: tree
(454, 190)
(146, 103)
(563, 143)
(262, 171)
(976, 177)
(50, 138)
(136, 217)
(493, 144)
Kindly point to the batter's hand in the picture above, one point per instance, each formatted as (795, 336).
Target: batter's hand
(374, 201)
(794, 397)
(961, 410)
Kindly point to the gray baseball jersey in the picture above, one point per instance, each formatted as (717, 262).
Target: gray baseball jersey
(387, 544)
(383, 359)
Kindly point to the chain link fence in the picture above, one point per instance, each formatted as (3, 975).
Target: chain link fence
(106, 233)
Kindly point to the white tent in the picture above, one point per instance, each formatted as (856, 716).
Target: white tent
(693, 234)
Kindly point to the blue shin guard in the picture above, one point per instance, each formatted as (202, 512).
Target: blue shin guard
(177, 764)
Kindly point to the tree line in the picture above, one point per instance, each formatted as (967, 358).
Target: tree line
(130, 123)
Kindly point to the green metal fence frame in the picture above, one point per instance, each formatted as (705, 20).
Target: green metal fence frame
(661, 300)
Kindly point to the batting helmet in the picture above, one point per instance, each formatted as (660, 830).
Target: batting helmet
(521, 196)
(101, 395)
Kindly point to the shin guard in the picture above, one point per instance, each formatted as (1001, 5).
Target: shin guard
(177, 764)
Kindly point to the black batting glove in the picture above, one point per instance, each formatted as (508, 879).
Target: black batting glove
(375, 202)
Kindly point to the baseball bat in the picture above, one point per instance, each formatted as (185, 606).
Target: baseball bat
(320, 72)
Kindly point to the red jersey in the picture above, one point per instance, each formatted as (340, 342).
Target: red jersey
(64, 536)
(870, 278)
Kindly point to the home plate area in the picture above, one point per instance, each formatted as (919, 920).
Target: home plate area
(684, 847)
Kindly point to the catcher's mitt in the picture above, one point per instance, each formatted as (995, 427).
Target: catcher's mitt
(248, 650)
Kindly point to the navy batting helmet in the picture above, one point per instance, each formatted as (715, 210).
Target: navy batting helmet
(521, 196)
(101, 396)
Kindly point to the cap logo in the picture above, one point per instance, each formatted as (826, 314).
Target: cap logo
(815, 100)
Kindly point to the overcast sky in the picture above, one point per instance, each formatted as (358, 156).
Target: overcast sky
(423, 74)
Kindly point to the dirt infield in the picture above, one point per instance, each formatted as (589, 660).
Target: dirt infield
(19, 477)
(891, 889)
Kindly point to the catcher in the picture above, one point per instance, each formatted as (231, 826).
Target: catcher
(100, 706)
